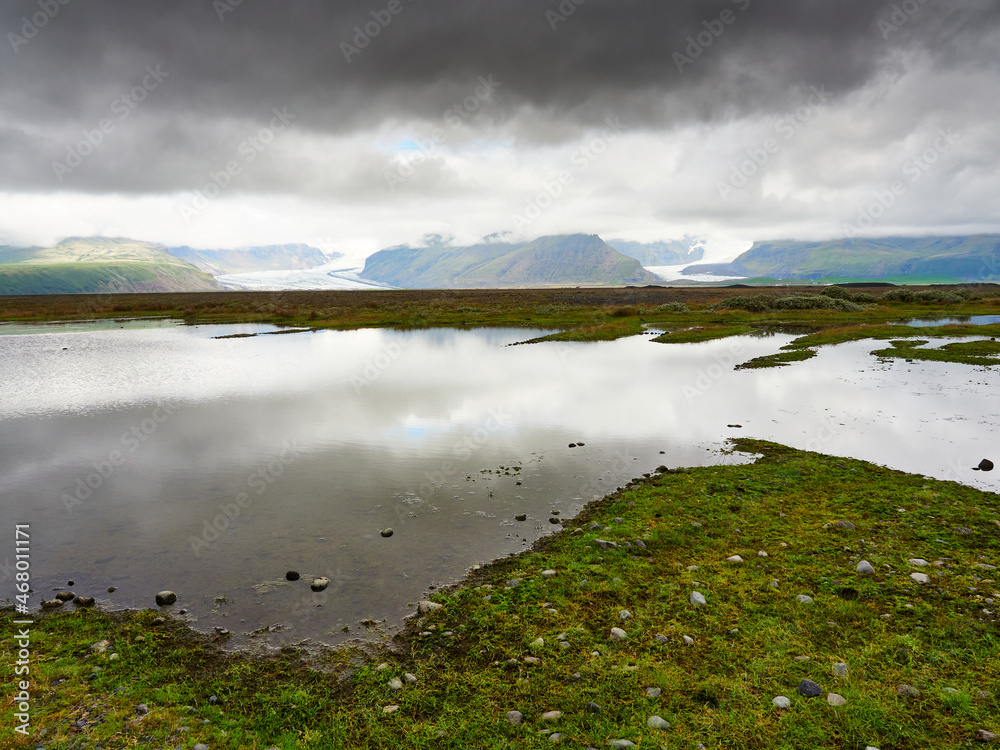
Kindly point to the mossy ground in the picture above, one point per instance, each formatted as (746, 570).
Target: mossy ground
(751, 642)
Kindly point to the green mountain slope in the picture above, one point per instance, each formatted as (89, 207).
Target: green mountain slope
(576, 259)
(970, 258)
(253, 258)
(97, 265)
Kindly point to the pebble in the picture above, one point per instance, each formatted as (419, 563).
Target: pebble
(594, 708)
(840, 669)
(142, 709)
(424, 606)
(84, 601)
(551, 715)
(553, 519)
(386, 533)
(292, 575)
(761, 553)
(847, 525)
(907, 691)
(697, 599)
(781, 701)
(101, 646)
(657, 722)
(617, 634)
(549, 573)
(774, 583)
(391, 709)
(918, 562)
(835, 699)
(521, 517)
(653, 692)
(395, 684)
(920, 577)
(661, 638)
(809, 689)
(532, 660)
(555, 737)
(734, 559)
(803, 599)
(688, 640)
(515, 717)
(865, 568)
(200, 746)
(624, 615)
(537, 643)
(320, 583)
(166, 598)
(620, 743)
(983, 736)
(65, 596)
(605, 544)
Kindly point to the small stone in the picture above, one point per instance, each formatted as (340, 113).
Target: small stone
(320, 583)
(920, 577)
(593, 708)
(846, 525)
(100, 647)
(555, 737)
(809, 689)
(395, 684)
(840, 669)
(521, 517)
(835, 699)
(802, 658)
(624, 615)
(985, 465)
(653, 692)
(865, 568)
(605, 544)
(537, 643)
(918, 562)
(907, 691)
(551, 715)
(697, 599)
(292, 575)
(761, 553)
(620, 743)
(661, 638)
(735, 559)
(515, 717)
(65, 596)
(639, 543)
(424, 607)
(688, 640)
(549, 573)
(166, 598)
(411, 679)
(386, 533)
(982, 735)
(200, 746)
(804, 599)
(212, 700)
(553, 520)
(391, 709)
(657, 722)
(513, 583)
(617, 634)
(781, 701)
(142, 709)
(774, 583)
(112, 589)
(84, 601)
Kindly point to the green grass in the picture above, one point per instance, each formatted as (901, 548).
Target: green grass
(888, 629)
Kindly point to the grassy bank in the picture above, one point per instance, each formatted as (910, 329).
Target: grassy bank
(532, 633)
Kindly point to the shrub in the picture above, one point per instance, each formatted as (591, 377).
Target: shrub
(816, 302)
(898, 295)
(749, 303)
(837, 292)
(674, 307)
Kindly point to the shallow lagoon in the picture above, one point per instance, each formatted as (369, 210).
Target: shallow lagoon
(166, 458)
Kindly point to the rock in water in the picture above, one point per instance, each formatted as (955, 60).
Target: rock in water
(84, 601)
(386, 533)
(292, 575)
(166, 598)
(985, 465)
(521, 517)
(320, 583)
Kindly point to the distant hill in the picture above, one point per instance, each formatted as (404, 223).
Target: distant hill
(253, 258)
(572, 259)
(97, 265)
(669, 253)
(961, 258)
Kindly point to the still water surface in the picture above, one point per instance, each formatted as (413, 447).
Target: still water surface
(166, 458)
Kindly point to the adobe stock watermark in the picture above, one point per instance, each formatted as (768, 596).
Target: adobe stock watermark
(259, 481)
(899, 15)
(786, 126)
(122, 107)
(377, 364)
(223, 8)
(707, 377)
(561, 14)
(463, 449)
(128, 444)
(913, 169)
(455, 115)
(581, 159)
(713, 29)
(31, 26)
(366, 33)
(248, 150)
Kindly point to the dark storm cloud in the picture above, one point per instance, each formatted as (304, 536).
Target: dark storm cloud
(561, 65)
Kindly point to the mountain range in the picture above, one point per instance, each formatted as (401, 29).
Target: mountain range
(557, 260)
(956, 258)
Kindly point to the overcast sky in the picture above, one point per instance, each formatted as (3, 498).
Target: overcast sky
(358, 125)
